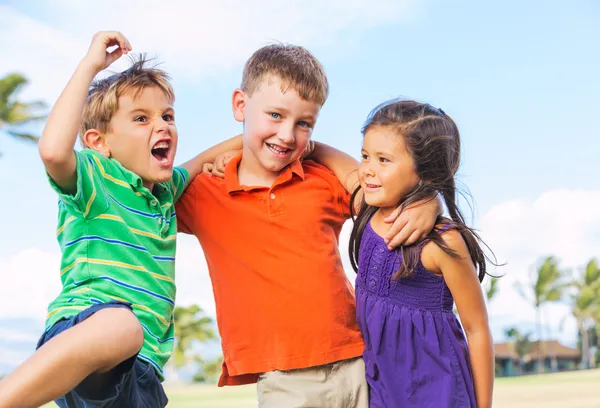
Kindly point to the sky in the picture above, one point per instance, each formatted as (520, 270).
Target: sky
(519, 78)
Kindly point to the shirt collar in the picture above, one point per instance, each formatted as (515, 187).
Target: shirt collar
(232, 182)
(136, 183)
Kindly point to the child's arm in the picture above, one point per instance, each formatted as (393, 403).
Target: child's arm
(408, 226)
(461, 277)
(60, 133)
(196, 165)
(344, 166)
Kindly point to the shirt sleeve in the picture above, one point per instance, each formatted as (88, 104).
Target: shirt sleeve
(89, 199)
(340, 196)
(179, 182)
(343, 198)
(186, 207)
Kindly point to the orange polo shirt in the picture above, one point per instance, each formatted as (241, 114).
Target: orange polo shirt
(283, 299)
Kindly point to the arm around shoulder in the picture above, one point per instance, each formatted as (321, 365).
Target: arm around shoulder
(344, 166)
(195, 165)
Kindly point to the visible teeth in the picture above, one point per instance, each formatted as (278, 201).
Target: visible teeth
(277, 149)
(161, 145)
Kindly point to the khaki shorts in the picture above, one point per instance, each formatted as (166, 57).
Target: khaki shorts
(337, 385)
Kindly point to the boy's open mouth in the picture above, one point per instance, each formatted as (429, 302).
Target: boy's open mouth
(160, 151)
(278, 150)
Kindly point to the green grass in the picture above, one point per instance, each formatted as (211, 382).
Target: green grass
(577, 389)
(562, 390)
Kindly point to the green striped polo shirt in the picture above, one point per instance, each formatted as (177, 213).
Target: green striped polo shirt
(118, 243)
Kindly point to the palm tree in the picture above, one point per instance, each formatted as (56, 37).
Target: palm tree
(521, 344)
(492, 289)
(586, 305)
(546, 286)
(14, 113)
(191, 326)
(210, 370)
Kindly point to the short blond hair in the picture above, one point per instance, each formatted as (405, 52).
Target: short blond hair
(295, 66)
(103, 97)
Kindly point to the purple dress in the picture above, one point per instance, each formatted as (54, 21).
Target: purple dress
(416, 353)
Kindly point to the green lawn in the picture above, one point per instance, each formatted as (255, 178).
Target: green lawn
(563, 390)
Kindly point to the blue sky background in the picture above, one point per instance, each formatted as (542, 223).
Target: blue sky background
(519, 78)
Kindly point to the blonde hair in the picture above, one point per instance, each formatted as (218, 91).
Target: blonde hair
(295, 66)
(103, 97)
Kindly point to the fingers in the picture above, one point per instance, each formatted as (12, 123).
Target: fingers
(212, 170)
(112, 38)
(398, 240)
(392, 217)
(398, 233)
(106, 48)
(216, 172)
(207, 168)
(220, 163)
(413, 239)
(218, 167)
(230, 156)
(113, 56)
(310, 146)
(124, 43)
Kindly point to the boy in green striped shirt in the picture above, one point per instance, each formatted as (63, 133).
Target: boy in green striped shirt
(110, 330)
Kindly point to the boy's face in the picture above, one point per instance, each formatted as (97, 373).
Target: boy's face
(142, 135)
(277, 125)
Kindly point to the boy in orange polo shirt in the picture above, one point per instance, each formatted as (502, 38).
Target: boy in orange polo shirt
(269, 230)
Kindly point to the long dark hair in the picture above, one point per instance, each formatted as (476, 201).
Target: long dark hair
(433, 140)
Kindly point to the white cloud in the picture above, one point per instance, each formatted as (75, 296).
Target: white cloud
(11, 357)
(563, 223)
(45, 55)
(18, 336)
(192, 279)
(31, 280)
(34, 282)
(195, 39)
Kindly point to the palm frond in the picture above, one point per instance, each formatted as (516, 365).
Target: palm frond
(10, 85)
(23, 136)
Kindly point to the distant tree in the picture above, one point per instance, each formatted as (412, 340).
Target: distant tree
(14, 113)
(545, 286)
(521, 343)
(585, 302)
(191, 326)
(492, 289)
(209, 371)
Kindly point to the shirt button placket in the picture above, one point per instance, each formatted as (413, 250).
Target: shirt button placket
(271, 202)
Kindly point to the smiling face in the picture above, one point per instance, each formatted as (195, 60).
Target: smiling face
(277, 126)
(387, 171)
(142, 135)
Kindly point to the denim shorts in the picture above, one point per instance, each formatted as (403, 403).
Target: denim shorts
(133, 383)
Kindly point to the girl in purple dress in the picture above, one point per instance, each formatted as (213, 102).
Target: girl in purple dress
(416, 352)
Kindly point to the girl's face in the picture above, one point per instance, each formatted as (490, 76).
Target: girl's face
(387, 171)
